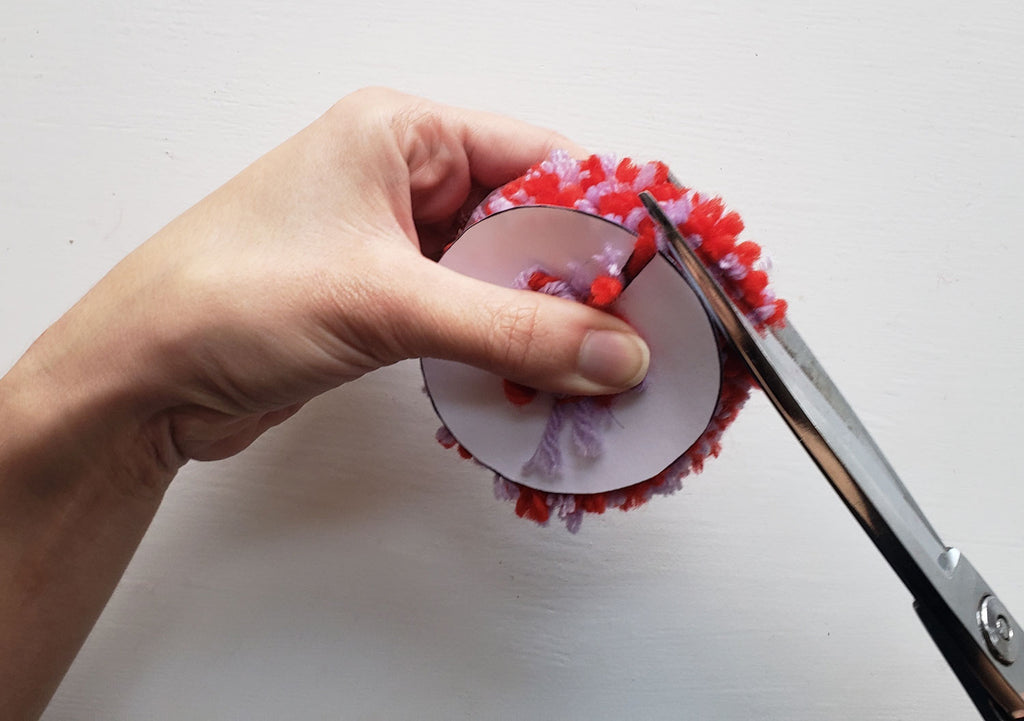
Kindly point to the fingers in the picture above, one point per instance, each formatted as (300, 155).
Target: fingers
(497, 148)
(537, 340)
(500, 149)
(444, 154)
(448, 151)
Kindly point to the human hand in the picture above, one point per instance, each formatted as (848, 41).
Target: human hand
(310, 268)
(307, 270)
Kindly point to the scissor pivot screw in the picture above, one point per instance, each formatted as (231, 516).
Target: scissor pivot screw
(1002, 638)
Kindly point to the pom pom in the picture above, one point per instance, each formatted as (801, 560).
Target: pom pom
(609, 187)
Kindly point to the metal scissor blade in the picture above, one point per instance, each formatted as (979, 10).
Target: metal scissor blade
(942, 581)
(784, 346)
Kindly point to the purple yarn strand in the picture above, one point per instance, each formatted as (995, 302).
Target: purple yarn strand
(589, 421)
(547, 459)
(504, 489)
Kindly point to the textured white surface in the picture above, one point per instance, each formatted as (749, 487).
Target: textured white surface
(346, 567)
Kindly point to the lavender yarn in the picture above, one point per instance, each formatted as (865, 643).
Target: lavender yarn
(589, 417)
(547, 459)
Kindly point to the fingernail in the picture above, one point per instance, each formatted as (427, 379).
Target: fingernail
(611, 358)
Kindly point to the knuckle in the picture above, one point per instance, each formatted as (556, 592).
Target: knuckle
(418, 130)
(372, 107)
(371, 97)
(375, 93)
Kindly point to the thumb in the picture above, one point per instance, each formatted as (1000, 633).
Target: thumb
(538, 340)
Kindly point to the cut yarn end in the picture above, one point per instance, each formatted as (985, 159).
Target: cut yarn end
(604, 186)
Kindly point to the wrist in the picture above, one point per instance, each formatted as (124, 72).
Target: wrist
(73, 421)
(80, 480)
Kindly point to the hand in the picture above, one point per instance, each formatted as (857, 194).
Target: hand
(307, 270)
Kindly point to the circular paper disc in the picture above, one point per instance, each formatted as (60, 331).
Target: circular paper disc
(651, 426)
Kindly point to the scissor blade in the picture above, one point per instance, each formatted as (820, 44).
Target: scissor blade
(940, 578)
(784, 346)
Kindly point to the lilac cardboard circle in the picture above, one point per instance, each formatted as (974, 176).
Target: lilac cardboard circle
(651, 427)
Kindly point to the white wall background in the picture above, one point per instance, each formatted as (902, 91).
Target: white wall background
(346, 567)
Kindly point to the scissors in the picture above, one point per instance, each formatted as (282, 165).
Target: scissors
(975, 632)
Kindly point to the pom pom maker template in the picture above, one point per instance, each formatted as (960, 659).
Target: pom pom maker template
(979, 638)
(680, 391)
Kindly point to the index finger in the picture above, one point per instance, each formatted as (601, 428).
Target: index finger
(500, 149)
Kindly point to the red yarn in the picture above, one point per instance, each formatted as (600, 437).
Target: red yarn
(516, 393)
(511, 188)
(542, 187)
(604, 291)
(753, 284)
(533, 505)
(593, 502)
(708, 217)
(627, 171)
(643, 251)
(664, 192)
(539, 279)
(747, 252)
(779, 316)
(661, 173)
(617, 204)
(594, 172)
